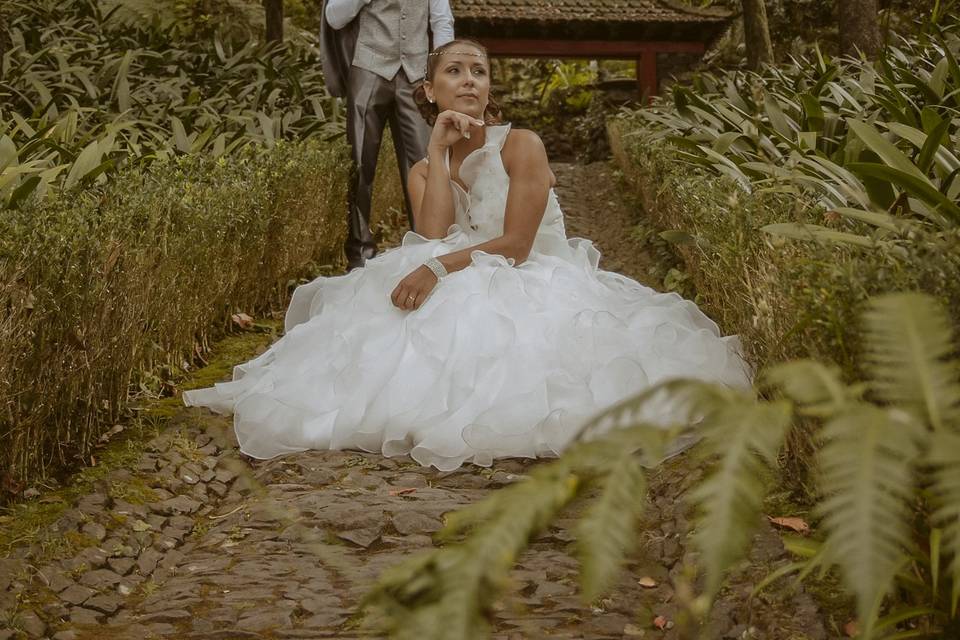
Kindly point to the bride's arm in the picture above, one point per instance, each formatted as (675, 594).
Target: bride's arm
(525, 160)
(430, 197)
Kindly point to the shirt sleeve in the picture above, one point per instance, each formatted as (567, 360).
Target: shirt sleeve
(339, 13)
(441, 22)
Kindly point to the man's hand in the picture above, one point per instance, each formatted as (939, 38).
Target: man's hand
(414, 289)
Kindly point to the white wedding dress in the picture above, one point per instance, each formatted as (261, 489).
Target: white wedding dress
(499, 361)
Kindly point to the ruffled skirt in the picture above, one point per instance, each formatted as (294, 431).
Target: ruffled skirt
(500, 361)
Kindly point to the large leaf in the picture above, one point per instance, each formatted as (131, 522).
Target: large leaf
(607, 531)
(816, 387)
(920, 188)
(740, 444)
(910, 357)
(88, 160)
(945, 459)
(888, 151)
(866, 479)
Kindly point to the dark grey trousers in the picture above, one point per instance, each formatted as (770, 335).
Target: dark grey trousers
(372, 102)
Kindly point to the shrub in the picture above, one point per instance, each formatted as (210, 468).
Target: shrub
(104, 288)
(787, 299)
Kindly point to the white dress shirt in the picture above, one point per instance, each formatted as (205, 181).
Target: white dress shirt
(339, 13)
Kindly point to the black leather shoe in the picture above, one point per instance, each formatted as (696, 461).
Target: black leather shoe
(357, 262)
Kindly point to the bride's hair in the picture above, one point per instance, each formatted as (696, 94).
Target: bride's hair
(429, 110)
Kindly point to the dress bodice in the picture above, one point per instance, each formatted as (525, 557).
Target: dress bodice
(479, 211)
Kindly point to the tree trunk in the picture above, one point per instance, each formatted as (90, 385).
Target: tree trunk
(756, 32)
(274, 14)
(859, 27)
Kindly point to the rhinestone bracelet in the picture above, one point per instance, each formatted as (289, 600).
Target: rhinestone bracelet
(436, 267)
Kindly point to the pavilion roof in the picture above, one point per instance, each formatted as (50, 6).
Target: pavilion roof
(591, 11)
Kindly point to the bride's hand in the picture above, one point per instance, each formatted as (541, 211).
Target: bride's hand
(450, 127)
(414, 289)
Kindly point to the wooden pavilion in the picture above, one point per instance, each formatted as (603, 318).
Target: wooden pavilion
(647, 31)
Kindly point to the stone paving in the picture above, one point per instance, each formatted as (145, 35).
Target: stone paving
(213, 546)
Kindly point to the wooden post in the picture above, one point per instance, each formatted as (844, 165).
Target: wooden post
(273, 10)
(647, 75)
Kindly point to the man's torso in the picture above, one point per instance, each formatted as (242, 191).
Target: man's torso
(393, 35)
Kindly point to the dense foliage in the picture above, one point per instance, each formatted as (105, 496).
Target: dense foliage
(118, 286)
(86, 90)
(873, 144)
(205, 172)
(860, 157)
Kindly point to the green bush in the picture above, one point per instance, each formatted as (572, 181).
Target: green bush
(786, 299)
(119, 285)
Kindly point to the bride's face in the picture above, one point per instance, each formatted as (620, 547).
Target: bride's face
(461, 81)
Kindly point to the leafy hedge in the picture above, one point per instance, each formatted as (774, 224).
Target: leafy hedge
(857, 160)
(787, 299)
(106, 288)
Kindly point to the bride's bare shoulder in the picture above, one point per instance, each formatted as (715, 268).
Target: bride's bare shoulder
(523, 149)
(522, 142)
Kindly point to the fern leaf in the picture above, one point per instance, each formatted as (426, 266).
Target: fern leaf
(449, 593)
(607, 531)
(815, 387)
(945, 459)
(908, 341)
(866, 478)
(685, 401)
(743, 439)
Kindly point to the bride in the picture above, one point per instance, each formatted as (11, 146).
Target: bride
(486, 334)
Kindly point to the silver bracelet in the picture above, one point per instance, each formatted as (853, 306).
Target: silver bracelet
(436, 267)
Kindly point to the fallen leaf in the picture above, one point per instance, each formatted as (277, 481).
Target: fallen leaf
(242, 320)
(851, 629)
(794, 524)
(660, 622)
(647, 582)
(402, 491)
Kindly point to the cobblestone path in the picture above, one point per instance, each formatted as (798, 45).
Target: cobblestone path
(213, 547)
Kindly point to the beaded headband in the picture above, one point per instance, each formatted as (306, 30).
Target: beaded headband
(463, 53)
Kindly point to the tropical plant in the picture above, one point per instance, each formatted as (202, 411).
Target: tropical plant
(889, 483)
(85, 93)
(874, 144)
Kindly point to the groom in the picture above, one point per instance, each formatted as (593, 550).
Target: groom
(374, 52)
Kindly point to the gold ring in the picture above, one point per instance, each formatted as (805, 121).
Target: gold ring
(411, 297)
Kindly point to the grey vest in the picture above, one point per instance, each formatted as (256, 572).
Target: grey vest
(394, 34)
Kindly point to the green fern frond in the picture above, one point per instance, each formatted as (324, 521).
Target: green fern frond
(945, 459)
(908, 342)
(814, 386)
(686, 401)
(866, 466)
(607, 531)
(743, 439)
(450, 592)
